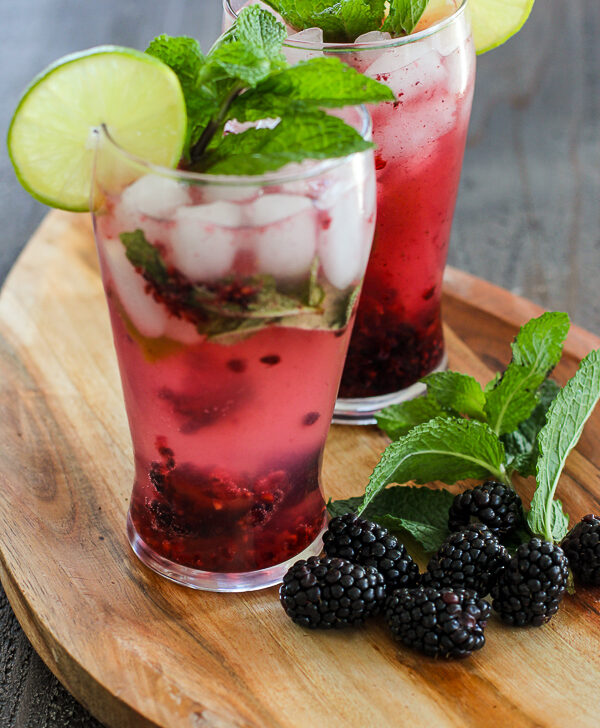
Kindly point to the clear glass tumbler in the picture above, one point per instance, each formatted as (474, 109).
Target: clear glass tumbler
(420, 141)
(231, 301)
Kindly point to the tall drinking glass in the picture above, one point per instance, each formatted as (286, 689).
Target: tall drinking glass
(231, 301)
(420, 137)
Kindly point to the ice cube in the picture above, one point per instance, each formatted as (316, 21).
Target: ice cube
(203, 241)
(154, 196)
(373, 36)
(310, 45)
(342, 241)
(284, 233)
(147, 315)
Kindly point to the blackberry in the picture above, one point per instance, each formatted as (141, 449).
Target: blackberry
(529, 589)
(468, 559)
(321, 593)
(582, 549)
(494, 504)
(439, 622)
(369, 544)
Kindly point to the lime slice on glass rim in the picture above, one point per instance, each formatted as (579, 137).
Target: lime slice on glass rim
(50, 139)
(495, 21)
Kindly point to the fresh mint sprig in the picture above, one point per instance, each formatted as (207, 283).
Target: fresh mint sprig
(404, 16)
(566, 417)
(460, 430)
(245, 77)
(420, 512)
(342, 21)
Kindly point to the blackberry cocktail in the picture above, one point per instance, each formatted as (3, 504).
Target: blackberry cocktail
(231, 304)
(420, 139)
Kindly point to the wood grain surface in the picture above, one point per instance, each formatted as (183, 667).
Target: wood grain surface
(138, 650)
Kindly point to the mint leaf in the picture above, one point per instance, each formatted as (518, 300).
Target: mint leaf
(535, 352)
(255, 151)
(398, 419)
(459, 393)
(420, 512)
(260, 299)
(564, 423)
(521, 445)
(404, 16)
(184, 56)
(342, 21)
(441, 449)
(261, 31)
(144, 256)
(313, 84)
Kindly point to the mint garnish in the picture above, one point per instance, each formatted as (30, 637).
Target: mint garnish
(245, 77)
(457, 393)
(420, 512)
(342, 21)
(521, 444)
(535, 352)
(144, 256)
(564, 423)
(520, 422)
(398, 419)
(404, 16)
(441, 449)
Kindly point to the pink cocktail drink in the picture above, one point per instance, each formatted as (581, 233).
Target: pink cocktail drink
(231, 302)
(421, 138)
(397, 338)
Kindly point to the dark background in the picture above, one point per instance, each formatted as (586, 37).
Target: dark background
(528, 213)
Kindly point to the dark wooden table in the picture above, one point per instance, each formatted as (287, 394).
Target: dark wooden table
(528, 214)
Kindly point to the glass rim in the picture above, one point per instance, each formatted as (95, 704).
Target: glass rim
(276, 177)
(359, 47)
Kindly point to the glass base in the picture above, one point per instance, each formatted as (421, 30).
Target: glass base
(362, 410)
(212, 581)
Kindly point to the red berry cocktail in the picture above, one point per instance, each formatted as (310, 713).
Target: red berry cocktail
(231, 301)
(420, 141)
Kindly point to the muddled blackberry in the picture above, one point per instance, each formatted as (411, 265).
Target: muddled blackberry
(369, 544)
(468, 559)
(529, 589)
(582, 549)
(325, 593)
(439, 622)
(494, 504)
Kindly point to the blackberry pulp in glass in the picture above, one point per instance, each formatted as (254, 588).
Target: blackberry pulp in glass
(231, 301)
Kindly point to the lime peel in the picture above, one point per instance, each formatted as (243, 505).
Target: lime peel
(50, 139)
(495, 21)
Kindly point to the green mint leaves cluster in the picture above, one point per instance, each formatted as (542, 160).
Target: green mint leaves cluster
(342, 21)
(245, 77)
(521, 422)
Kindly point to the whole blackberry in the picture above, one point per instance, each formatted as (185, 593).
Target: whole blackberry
(529, 589)
(494, 504)
(439, 622)
(369, 544)
(582, 548)
(321, 593)
(468, 559)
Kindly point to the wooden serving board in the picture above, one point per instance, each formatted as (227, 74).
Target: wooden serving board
(140, 651)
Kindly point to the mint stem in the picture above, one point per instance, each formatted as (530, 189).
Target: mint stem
(213, 126)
